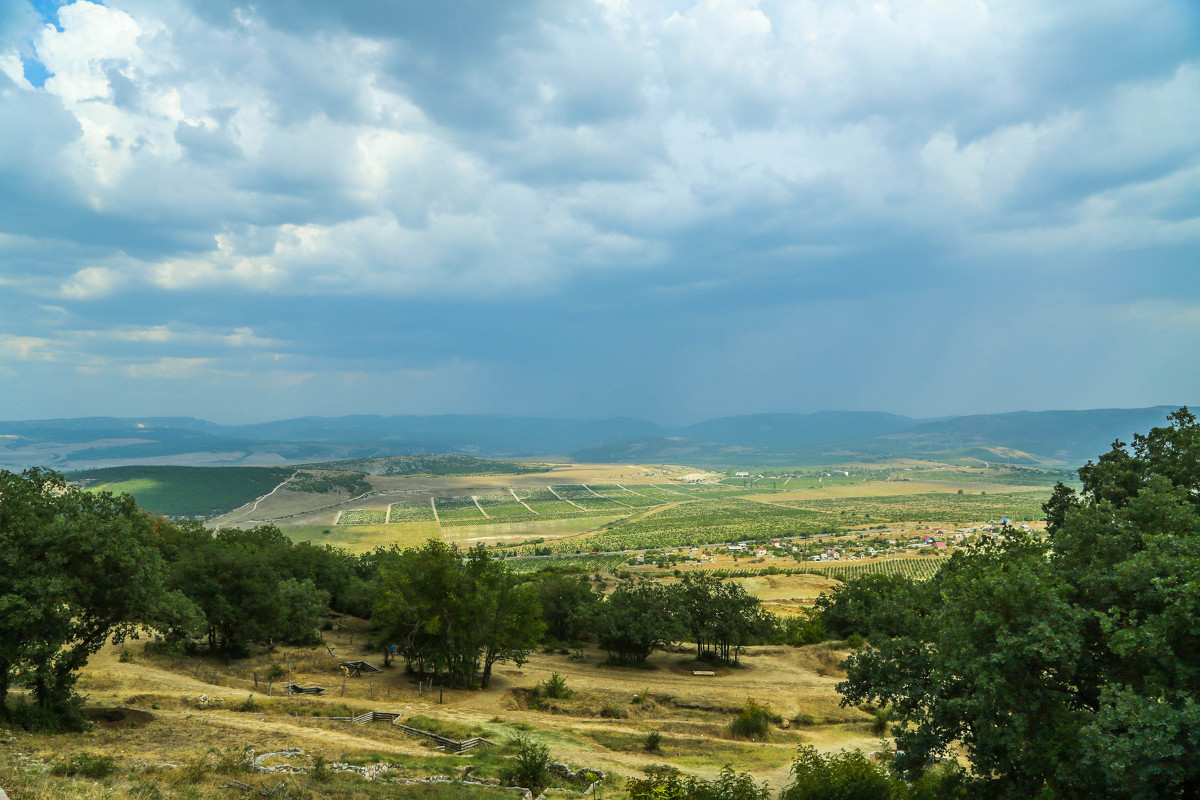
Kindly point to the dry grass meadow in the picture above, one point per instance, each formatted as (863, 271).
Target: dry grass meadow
(178, 726)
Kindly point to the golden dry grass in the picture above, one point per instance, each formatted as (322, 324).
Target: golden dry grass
(190, 707)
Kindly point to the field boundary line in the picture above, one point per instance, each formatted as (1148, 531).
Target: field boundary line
(602, 497)
(273, 491)
(475, 500)
(387, 516)
(639, 494)
(789, 477)
(436, 518)
(338, 518)
(565, 500)
(513, 492)
(672, 491)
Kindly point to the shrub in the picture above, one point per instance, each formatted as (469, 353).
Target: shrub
(125, 656)
(275, 672)
(85, 765)
(856, 641)
(653, 742)
(530, 766)
(556, 687)
(612, 711)
(248, 705)
(754, 722)
(668, 782)
(844, 775)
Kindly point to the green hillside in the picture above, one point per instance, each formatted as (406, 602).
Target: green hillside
(186, 491)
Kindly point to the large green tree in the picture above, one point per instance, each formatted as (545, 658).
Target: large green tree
(454, 615)
(635, 619)
(247, 586)
(76, 569)
(721, 616)
(1068, 665)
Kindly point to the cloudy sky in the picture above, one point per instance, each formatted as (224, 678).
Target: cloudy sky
(669, 209)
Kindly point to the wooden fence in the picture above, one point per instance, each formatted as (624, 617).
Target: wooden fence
(450, 745)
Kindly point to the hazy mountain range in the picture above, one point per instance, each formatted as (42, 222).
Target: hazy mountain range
(1026, 437)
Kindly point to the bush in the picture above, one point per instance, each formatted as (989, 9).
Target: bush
(85, 765)
(555, 687)
(844, 775)
(856, 641)
(275, 672)
(653, 742)
(754, 722)
(662, 782)
(530, 766)
(248, 705)
(612, 711)
(125, 656)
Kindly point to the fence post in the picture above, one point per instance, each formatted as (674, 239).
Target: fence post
(372, 690)
(440, 688)
(343, 687)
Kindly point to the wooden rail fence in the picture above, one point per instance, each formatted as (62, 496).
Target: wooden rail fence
(450, 745)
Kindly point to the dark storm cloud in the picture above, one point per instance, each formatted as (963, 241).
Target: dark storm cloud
(670, 209)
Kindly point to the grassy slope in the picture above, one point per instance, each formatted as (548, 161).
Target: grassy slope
(186, 491)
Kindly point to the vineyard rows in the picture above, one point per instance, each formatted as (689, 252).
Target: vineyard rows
(360, 516)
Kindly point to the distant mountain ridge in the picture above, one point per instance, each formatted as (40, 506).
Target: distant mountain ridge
(1031, 437)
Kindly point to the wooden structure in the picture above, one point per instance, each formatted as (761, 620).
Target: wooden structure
(295, 689)
(356, 668)
(444, 742)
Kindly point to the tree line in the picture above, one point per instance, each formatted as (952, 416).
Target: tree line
(79, 568)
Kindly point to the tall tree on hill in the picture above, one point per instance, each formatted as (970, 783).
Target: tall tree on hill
(450, 615)
(636, 619)
(566, 604)
(246, 585)
(1067, 666)
(76, 569)
(722, 617)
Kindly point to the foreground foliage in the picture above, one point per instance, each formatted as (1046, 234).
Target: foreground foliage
(76, 568)
(1067, 666)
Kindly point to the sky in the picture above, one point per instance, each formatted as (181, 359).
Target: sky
(671, 210)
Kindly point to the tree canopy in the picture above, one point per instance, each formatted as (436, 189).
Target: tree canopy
(1067, 665)
(76, 568)
(453, 615)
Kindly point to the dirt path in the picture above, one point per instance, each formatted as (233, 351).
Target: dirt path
(254, 507)
(602, 497)
(475, 500)
(639, 494)
(513, 492)
(436, 518)
(565, 500)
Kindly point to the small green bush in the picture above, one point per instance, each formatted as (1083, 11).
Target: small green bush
(530, 767)
(612, 711)
(653, 743)
(556, 687)
(754, 722)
